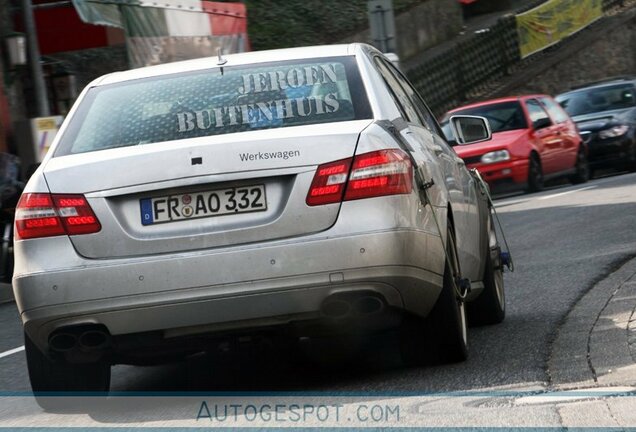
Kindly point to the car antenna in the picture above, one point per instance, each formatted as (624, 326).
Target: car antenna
(221, 60)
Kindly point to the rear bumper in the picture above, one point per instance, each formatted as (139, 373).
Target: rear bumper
(217, 289)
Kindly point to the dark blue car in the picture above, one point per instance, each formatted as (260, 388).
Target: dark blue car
(605, 113)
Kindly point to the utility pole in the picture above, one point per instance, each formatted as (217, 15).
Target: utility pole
(382, 25)
(42, 103)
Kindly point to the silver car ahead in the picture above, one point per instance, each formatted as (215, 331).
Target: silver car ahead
(308, 189)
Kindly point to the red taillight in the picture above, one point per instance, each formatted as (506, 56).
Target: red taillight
(378, 173)
(46, 215)
(77, 216)
(383, 172)
(329, 183)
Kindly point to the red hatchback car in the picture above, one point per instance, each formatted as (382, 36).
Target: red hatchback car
(533, 139)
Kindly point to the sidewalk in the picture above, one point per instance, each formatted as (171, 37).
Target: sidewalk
(596, 349)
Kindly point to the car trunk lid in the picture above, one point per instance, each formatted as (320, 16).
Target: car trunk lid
(267, 172)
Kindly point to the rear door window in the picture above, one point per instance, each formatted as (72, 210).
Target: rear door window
(554, 109)
(426, 118)
(400, 96)
(217, 101)
(536, 111)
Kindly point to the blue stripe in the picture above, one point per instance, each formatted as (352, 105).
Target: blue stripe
(208, 429)
(477, 393)
(146, 211)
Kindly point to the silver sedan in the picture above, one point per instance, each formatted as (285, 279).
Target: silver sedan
(308, 189)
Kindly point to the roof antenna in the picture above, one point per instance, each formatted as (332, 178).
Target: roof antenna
(221, 61)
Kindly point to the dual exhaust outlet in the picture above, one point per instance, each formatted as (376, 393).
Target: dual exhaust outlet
(82, 339)
(351, 305)
(336, 306)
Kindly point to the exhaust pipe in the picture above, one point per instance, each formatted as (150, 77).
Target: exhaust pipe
(63, 341)
(359, 304)
(81, 338)
(93, 340)
(336, 308)
(368, 305)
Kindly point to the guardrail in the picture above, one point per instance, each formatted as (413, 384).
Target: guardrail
(451, 76)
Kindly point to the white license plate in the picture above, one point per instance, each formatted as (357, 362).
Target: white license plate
(203, 204)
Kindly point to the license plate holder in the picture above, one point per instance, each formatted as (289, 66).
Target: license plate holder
(197, 205)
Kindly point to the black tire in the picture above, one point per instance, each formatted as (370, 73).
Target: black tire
(582, 167)
(56, 375)
(490, 306)
(6, 255)
(535, 175)
(443, 336)
(631, 164)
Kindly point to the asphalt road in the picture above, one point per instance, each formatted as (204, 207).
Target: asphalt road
(563, 241)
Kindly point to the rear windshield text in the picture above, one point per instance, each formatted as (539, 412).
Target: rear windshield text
(217, 101)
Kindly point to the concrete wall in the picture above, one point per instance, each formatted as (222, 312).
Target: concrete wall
(611, 51)
(422, 27)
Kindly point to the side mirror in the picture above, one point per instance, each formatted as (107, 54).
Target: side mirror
(470, 129)
(541, 123)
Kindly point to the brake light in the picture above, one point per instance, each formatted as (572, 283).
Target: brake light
(329, 183)
(378, 173)
(383, 172)
(46, 215)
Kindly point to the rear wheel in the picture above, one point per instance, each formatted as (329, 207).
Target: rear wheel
(631, 164)
(535, 175)
(57, 375)
(582, 173)
(490, 306)
(6, 254)
(443, 336)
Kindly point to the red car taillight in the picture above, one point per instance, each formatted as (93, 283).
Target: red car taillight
(384, 172)
(329, 183)
(378, 173)
(46, 215)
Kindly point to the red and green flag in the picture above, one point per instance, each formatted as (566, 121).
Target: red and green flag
(163, 31)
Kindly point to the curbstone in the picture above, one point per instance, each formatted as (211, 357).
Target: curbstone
(592, 346)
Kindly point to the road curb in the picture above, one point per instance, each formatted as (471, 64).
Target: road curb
(609, 341)
(6, 293)
(592, 347)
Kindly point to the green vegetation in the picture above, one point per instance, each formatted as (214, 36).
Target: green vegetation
(288, 23)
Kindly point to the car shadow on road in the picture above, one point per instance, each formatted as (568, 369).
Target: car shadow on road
(265, 366)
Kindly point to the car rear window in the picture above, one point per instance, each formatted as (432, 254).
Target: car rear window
(217, 101)
(598, 99)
